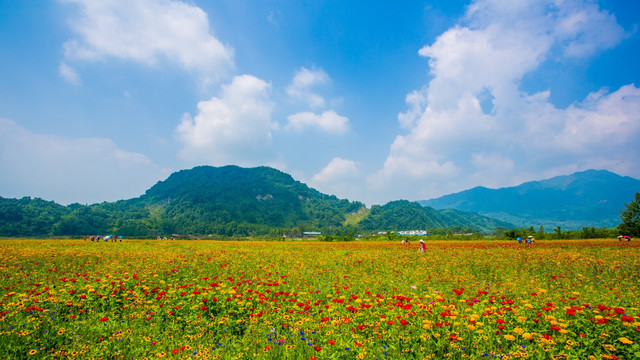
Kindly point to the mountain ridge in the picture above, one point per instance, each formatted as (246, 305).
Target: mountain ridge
(587, 198)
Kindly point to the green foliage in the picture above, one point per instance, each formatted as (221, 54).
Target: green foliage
(558, 233)
(341, 237)
(630, 217)
(29, 217)
(405, 215)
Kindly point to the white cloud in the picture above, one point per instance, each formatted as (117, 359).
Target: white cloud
(233, 128)
(452, 139)
(146, 31)
(329, 121)
(301, 86)
(337, 169)
(67, 170)
(341, 177)
(583, 29)
(69, 74)
(610, 120)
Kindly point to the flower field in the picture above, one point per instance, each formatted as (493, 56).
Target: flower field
(62, 299)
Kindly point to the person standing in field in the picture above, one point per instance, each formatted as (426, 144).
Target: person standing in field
(423, 246)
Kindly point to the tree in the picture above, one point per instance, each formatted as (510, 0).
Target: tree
(631, 218)
(558, 232)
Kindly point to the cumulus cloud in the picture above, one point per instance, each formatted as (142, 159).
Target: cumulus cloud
(340, 177)
(146, 31)
(301, 87)
(235, 127)
(452, 138)
(329, 121)
(69, 170)
(69, 74)
(338, 168)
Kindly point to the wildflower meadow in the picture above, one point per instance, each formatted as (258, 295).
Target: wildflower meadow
(75, 299)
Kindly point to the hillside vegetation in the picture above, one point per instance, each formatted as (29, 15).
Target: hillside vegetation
(226, 201)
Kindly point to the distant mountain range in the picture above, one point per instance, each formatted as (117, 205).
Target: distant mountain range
(228, 200)
(583, 199)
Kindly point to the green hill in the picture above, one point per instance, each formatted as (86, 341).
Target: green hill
(228, 200)
(209, 199)
(406, 215)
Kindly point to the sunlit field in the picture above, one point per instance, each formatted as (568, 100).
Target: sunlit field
(65, 299)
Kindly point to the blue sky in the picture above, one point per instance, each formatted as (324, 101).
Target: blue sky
(368, 101)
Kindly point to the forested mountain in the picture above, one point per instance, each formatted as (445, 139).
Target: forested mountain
(589, 198)
(208, 199)
(226, 200)
(405, 215)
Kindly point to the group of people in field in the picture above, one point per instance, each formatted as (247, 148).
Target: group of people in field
(107, 238)
(423, 245)
(528, 240)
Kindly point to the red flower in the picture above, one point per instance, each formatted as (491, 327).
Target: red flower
(627, 318)
(317, 348)
(104, 318)
(332, 342)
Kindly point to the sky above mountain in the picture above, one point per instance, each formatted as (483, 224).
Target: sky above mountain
(368, 101)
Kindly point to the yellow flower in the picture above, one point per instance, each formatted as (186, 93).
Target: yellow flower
(609, 347)
(32, 352)
(626, 341)
(518, 331)
(509, 337)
